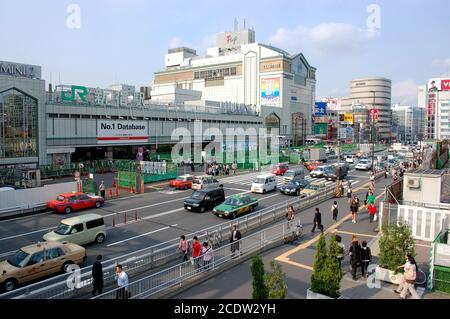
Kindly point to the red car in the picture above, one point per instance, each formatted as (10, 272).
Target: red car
(280, 169)
(310, 166)
(182, 182)
(67, 203)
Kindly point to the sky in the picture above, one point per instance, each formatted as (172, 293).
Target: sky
(124, 41)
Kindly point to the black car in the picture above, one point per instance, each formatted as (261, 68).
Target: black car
(204, 199)
(293, 187)
(331, 172)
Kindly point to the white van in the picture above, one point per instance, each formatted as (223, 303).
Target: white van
(79, 230)
(206, 181)
(264, 183)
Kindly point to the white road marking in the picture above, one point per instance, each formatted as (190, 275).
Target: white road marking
(25, 234)
(7, 253)
(141, 235)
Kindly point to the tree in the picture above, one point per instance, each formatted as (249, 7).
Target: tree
(332, 270)
(260, 290)
(275, 281)
(395, 243)
(318, 282)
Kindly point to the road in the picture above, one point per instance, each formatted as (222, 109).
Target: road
(161, 217)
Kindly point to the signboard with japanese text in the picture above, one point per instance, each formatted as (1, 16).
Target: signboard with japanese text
(349, 119)
(320, 109)
(120, 132)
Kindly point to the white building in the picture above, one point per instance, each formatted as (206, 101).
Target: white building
(238, 70)
(410, 122)
(438, 109)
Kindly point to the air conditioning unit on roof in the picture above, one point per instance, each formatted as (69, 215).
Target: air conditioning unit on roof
(413, 182)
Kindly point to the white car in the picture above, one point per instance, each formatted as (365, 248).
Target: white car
(350, 159)
(364, 165)
(264, 183)
(318, 172)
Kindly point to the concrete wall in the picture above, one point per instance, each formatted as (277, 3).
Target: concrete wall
(26, 198)
(429, 191)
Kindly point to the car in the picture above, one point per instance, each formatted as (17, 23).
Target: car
(350, 159)
(264, 183)
(296, 173)
(204, 199)
(364, 165)
(280, 169)
(182, 182)
(312, 188)
(235, 205)
(67, 203)
(294, 186)
(310, 166)
(79, 230)
(205, 181)
(318, 172)
(331, 172)
(39, 260)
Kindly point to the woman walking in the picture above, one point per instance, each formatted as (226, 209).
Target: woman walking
(349, 193)
(354, 207)
(183, 248)
(409, 278)
(334, 211)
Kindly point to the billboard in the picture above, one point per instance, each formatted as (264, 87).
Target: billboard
(120, 132)
(349, 135)
(349, 118)
(320, 109)
(435, 85)
(270, 91)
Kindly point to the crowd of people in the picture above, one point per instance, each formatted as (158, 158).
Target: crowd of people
(215, 169)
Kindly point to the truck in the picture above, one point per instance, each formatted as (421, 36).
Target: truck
(315, 154)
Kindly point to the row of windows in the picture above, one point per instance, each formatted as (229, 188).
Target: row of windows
(139, 118)
(215, 74)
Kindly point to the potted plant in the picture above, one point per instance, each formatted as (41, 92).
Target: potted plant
(396, 241)
(327, 274)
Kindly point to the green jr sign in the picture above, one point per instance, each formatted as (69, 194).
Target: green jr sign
(80, 91)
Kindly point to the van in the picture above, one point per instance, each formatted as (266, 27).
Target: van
(297, 173)
(205, 181)
(79, 230)
(264, 183)
(204, 199)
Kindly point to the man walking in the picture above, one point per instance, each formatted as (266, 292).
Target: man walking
(196, 252)
(317, 221)
(355, 256)
(97, 276)
(122, 282)
(366, 258)
(101, 188)
(235, 240)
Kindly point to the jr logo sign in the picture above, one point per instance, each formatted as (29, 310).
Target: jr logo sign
(79, 91)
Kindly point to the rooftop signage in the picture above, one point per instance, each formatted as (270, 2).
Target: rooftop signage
(20, 70)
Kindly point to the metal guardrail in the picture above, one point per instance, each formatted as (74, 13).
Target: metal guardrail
(158, 283)
(23, 208)
(149, 258)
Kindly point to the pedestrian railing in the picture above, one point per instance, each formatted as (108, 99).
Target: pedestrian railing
(157, 284)
(78, 284)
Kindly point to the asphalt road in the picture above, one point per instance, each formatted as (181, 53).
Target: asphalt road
(161, 218)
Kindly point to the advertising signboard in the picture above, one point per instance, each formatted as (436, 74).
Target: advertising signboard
(374, 115)
(349, 135)
(349, 119)
(114, 132)
(320, 109)
(270, 91)
(435, 85)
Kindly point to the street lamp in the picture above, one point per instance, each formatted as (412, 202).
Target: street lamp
(372, 131)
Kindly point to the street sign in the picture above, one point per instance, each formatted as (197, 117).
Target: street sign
(374, 115)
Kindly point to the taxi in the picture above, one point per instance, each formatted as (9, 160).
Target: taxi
(312, 188)
(182, 182)
(67, 203)
(236, 205)
(280, 169)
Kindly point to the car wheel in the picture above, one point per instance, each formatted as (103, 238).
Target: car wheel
(202, 209)
(185, 187)
(298, 192)
(68, 210)
(233, 216)
(100, 238)
(97, 204)
(65, 266)
(264, 191)
(221, 186)
(10, 284)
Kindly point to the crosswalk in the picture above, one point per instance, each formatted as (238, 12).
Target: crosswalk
(247, 179)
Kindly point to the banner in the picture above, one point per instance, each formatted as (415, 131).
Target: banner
(120, 132)
(270, 91)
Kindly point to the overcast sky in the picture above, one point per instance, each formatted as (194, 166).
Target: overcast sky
(125, 41)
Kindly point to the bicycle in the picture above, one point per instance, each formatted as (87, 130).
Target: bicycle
(297, 232)
(214, 240)
(421, 277)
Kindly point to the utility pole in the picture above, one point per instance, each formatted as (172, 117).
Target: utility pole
(372, 131)
(338, 168)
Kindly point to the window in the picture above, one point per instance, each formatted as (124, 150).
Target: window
(52, 115)
(73, 198)
(85, 116)
(95, 223)
(84, 197)
(36, 258)
(53, 253)
(77, 228)
(63, 116)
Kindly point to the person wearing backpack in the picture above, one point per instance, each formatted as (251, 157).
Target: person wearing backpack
(355, 256)
(366, 258)
(334, 211)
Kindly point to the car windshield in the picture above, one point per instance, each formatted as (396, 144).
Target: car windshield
(330, 169)
(197, 181)
(259, 180)
(293, 184)
(289, 174)
(180, 178)
(198, 195)
(19, 259)
(363, 161)
(313, 187)
(232, 202)
(60, 198)
(62, 229)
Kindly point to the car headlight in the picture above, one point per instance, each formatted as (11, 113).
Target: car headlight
(292, 190)
(226, 212)
(195, 205)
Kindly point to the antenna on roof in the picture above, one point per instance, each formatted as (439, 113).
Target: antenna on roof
(235, 24)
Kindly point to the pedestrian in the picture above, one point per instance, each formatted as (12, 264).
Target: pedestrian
(370, 198)
(183, 248)
(97, 276)
(366, 258)
(354, 207)
(234, 167)
(122, 283)
(355, 256)
(196, 252)
(341, 254)
(317, 221)
(409, 278)
(101, 188)
(227, 169)
(334, 211)
(207, 253)
(372, 209)
(386, 173)
(235, 240)
(349, 193)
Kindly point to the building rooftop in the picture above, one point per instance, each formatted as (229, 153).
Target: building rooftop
(429, 172)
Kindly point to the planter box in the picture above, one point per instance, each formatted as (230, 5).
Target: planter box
(313, 295)
(388, 276)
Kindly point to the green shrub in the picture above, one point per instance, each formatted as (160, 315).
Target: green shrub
(275, 282)
(318, 281)
(260, 290)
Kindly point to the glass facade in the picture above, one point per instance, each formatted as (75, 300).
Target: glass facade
(18, 124)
